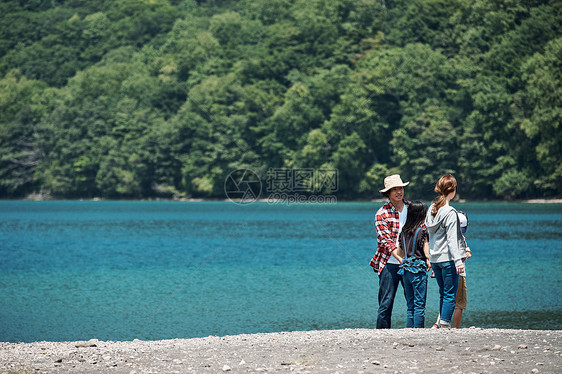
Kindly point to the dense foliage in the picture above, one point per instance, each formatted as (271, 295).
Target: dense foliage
(162, 98)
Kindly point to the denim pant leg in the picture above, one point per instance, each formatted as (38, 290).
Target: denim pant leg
(407, 282)
(388, 284)
(439, 278)
(419, 287)
(448, 281)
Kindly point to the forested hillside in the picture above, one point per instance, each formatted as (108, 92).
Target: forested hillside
(157, 98)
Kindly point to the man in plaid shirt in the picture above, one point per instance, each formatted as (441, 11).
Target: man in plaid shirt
(389, 220)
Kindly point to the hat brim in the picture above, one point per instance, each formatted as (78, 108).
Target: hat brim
(396, 185)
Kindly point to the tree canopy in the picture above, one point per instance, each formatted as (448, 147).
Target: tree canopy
(164, 98)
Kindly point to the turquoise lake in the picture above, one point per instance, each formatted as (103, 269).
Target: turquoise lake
(73, 270)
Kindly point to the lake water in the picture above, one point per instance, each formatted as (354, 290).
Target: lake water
(156, 270)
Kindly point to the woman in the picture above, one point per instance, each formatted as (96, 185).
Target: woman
(446, 246)
(414, 245)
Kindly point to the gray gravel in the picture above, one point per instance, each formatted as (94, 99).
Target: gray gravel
(471, 350)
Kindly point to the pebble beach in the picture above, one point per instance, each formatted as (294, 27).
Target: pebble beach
(467, 350)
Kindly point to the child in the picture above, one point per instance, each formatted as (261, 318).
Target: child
(461, 297)
(414, 264)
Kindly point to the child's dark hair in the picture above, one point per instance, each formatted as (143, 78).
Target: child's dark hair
(416, 216)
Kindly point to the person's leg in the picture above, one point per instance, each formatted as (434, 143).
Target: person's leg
(437, 322)
(407, 281)
(457, 318)
(419, 286)
(450, 280)
(439, 278)
(388, 284)
(460, 302)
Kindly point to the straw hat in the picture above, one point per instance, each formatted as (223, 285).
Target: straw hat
(393, 181)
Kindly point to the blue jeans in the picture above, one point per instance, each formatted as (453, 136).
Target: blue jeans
(448, 281)
(388, 285)
(415, 289)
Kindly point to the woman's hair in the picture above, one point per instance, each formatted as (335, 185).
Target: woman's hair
(444, 187)
(416, 216)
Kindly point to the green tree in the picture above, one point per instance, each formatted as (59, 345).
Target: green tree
(347, 161)
(20, 112)
(542, 74)
(130, 99)
(385, 86)
(424, 148)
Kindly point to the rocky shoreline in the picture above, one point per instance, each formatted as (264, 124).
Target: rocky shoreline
(470, 350)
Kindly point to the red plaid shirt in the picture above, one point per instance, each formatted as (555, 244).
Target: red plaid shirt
(387, 224)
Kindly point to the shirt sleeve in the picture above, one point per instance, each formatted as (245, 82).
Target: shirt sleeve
(384, 233)
(456, 245)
